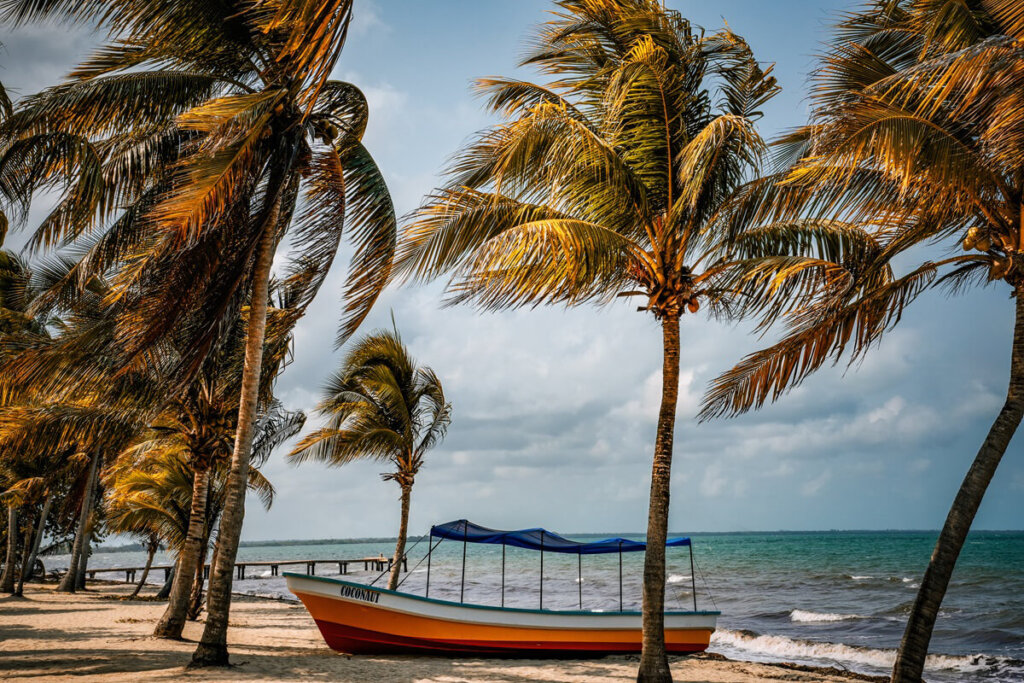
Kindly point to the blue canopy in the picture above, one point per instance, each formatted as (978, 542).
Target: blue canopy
(540, 539)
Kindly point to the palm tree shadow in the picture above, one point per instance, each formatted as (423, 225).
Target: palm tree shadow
(82, 662)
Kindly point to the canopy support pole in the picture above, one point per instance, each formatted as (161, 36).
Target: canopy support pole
(579, 575)
(541, 570)
(430, 551)
(693, 579)
(462, 584)
(503, 572)
(620, 576)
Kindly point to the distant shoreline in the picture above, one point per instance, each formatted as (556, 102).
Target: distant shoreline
(277, 543)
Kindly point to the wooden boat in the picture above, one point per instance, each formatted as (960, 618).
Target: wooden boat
(363, 619)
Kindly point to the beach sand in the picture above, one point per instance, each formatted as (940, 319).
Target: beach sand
(97, 635)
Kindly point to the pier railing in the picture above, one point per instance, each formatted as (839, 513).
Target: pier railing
(379, 564)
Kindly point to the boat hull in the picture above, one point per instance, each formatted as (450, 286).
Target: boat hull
(359, 619)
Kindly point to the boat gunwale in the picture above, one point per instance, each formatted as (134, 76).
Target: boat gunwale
(356, 584)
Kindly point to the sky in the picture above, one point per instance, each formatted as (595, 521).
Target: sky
(554, 410)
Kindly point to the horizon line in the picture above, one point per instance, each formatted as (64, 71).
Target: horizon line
(384, 539)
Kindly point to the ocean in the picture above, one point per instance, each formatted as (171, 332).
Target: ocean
(824, 598)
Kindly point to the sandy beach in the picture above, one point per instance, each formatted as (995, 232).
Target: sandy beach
(101, 636)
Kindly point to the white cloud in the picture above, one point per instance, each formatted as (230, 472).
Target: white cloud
(366, 19)
(814, 486)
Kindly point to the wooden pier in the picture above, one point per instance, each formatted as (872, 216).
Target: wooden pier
(377, 564)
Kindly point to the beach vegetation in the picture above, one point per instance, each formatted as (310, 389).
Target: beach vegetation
(915, 137)
(380, 405)
(615, 179)
(186, 142)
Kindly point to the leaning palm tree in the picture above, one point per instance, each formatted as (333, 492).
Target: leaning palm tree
(201, 421)
(197, 430)
(380, 405)
(150, 492)
(611, 181)
(208, 121)
(916, 132)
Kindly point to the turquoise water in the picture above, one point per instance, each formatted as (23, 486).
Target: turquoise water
(832, 598)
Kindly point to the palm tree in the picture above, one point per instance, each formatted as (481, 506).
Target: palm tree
(383, 406)
(201, 423)
(614, 180)
(151, 490)
(210, 119)
(12, 502)
(195, 424)
(202, 440)
(916, 132)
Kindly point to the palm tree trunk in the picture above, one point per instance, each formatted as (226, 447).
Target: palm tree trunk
(40, 530)
(83, 562)
(172, 623)
(403, 532)
(914, 647)
(7, 580)
(653, 659)
(69, 582)
(165, 589)
(213, 649)
(26, 551)
(213, 563)
(195, 600)
(152, 546)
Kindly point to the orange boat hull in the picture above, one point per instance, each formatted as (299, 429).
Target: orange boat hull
(361, 620)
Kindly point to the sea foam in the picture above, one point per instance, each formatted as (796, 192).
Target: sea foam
(808, 617)
(775, 648)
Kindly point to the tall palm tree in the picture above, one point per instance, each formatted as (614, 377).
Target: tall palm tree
(196, 423)
(380, 405)
(916, 133)
(613, 180)
(210, 119)
(201, 423)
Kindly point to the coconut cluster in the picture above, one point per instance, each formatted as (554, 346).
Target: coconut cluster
(988, 241)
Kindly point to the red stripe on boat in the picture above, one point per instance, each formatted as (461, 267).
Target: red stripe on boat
(361, 641)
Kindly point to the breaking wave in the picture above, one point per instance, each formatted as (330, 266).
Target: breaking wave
(808, 617)
(747, 644)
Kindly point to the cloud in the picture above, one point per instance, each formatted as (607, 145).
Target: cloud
(554, 410)
(366, 20)
(814, 486)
